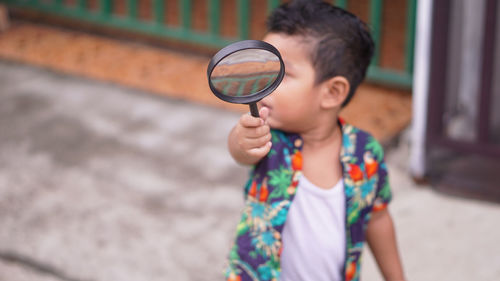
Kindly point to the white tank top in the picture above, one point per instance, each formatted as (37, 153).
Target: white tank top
(314, 243)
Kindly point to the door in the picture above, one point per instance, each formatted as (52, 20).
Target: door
(463, 136)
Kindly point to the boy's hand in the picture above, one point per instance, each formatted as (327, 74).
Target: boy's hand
(250, 139)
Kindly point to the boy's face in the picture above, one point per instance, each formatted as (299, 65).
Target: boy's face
(294, 105)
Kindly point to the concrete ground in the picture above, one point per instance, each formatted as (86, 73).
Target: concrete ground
(100, 182)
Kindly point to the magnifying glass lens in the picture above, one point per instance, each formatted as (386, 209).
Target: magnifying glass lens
(246, 72)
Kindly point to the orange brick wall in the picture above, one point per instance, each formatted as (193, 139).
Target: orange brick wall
(393, 41)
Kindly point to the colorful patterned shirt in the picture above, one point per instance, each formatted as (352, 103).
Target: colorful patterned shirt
(270, 190)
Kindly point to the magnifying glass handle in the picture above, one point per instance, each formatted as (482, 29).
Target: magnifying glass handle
(254, 110)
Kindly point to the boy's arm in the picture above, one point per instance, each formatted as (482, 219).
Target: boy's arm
(381, 238)
(250, 140)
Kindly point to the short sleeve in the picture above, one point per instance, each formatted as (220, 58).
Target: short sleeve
(383, 193)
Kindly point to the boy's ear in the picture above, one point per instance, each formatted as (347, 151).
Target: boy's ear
(335, 92)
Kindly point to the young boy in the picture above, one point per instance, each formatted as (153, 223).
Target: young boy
(319, 186)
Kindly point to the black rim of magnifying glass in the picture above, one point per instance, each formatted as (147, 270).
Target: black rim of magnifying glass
(239, 46)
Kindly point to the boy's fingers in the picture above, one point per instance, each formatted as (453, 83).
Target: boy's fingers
(260, 151)
(251, 143)
(257, 132)
(264, 112)
(248, 120)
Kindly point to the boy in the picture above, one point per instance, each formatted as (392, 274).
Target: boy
(319, 186)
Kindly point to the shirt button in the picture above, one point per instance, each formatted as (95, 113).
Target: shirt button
(298, 143)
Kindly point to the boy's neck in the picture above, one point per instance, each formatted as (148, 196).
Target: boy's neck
(323, 134)
(321, 153)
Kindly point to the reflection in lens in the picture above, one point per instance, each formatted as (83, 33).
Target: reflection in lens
(245, 72)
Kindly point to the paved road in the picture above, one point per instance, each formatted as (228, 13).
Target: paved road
(100, 182)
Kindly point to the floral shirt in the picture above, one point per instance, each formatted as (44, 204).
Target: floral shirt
(270, 190)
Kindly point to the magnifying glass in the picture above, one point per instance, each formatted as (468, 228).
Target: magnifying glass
(245, 72)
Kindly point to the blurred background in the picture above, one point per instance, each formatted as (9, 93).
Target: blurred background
(113, 160)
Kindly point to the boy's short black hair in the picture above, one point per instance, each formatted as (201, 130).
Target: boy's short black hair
(341, 43)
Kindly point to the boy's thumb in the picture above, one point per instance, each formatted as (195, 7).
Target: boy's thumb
(264, 112)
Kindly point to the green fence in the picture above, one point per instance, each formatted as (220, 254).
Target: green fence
(79, 9)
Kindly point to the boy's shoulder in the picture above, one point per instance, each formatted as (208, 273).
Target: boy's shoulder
(360, 142)
(349, 129)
